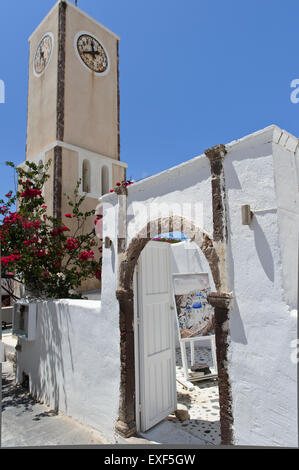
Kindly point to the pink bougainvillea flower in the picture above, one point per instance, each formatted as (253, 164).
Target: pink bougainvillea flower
(69, 216)
(28, 225)
(98, 274)
(11, 219)
(58, 231)
(40, 253)
(71, 244)
(31, 193)
(98, 219)
(6, 260)
(86, 255)
(8, 195)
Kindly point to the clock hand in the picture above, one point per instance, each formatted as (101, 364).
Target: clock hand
(91, 52)
(41, 56)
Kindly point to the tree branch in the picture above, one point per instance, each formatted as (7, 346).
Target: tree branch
(10, 293)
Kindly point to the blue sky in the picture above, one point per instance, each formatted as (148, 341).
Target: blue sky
(194, 73)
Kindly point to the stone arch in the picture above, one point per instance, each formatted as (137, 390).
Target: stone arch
(126, 424)
(161, 225)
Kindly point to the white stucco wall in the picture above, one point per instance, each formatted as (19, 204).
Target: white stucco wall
(184, 190)
(73, 365)
(262, 262)
(263, 377)
(286, 167)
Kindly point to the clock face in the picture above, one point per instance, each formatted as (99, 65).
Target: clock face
(92, 53)
(43, 54)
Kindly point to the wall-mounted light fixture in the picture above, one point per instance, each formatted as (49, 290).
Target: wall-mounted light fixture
(247, 214)
(108, 242)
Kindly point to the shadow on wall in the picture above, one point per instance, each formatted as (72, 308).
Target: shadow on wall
(237, 331)
(54, 319)
(263, 249)
(264, 253)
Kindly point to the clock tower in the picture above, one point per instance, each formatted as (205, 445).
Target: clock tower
(73, 106)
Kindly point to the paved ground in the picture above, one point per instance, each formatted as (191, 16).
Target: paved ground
(26, 423)
(202, 401)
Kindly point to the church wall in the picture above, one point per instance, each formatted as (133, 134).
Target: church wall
(70, 176)
(74, 363)
(91, 116)
(42, 92)
(48, 188)
(118, 174)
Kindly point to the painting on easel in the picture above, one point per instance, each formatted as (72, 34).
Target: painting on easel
(195, 315)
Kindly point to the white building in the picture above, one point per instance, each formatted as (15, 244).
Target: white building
(84, 360)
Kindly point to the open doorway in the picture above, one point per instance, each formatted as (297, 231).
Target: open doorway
(161, 384)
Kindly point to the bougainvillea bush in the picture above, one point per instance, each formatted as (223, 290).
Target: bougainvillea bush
(40, 251)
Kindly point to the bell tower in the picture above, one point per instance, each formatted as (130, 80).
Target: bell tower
(73, 105)
(73, 109)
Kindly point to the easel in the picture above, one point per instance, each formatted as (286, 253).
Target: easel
(193, 376)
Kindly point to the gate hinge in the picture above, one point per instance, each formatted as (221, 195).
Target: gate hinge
(139, 408)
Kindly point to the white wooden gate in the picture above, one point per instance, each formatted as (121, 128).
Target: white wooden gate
(156, 336)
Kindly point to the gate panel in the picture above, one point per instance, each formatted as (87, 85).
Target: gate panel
(156, 335)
